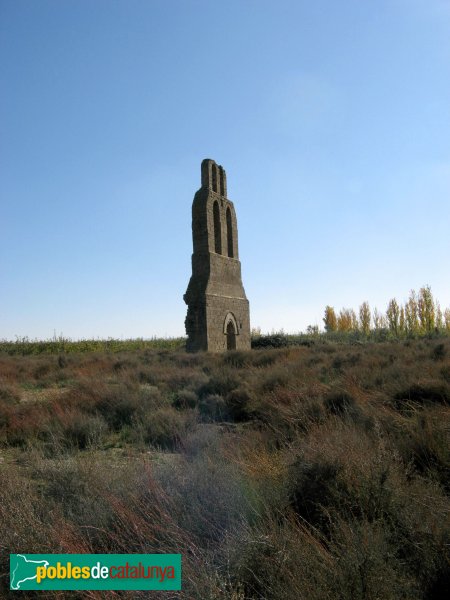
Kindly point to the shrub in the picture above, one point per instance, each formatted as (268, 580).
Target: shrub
(163, 427)
(23, 424)
(366, 563)
(264, 359)
(214, 489)
(277, 340)
(62, 361)
(439, 352)
(424, 445)
(118, 406)
(340, 403)
(213, 408)
(445, 373)
(239, 404)
(148, 397)
(312, 488)
(147, 376)
(42, 370)
(422, 394)
(202, 438)
(276, 377)
(84, 431)
(220, 384)
(24, 519)
(237, 358)
(9, 394)
(122, 364)
(185, 399)
(278, 559)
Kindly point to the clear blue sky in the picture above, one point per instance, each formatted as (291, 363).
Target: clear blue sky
(332, 120)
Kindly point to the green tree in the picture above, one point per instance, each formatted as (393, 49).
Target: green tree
(364, 318)
(439, 317)
(379, 321)
(426, 311)
(312, 330)
(393, 316)
(447, 319)
(402, 321)
(412, 314)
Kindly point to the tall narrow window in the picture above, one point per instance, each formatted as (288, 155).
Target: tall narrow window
(229, 234)
(217, 229)
(214, 177)
(222, 182)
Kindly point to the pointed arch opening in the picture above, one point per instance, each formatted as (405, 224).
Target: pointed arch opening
(229, 234)
(217, 229)
(230, 329)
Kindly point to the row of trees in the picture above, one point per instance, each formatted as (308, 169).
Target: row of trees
(419, 315)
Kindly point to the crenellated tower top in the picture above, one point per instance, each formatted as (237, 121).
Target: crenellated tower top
(214, 177)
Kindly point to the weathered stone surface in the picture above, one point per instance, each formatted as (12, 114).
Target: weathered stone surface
(218, 317)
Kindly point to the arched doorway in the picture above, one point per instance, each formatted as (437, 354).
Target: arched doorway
(230, 329)
(231, 336)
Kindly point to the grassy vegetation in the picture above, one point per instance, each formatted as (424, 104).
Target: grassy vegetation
(313, 471)
(61, 345)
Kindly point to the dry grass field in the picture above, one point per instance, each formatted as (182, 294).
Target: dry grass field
(312, 472)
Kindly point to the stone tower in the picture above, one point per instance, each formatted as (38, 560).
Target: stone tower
(218, 317)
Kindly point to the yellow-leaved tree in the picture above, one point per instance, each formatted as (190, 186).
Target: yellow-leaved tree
(347, 320)
(330, 319)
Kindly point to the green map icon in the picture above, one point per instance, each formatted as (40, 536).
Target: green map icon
(24, 569)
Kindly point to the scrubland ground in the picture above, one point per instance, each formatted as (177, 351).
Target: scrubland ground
(313, 472)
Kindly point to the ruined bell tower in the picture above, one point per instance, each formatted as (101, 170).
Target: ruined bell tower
(218, 317)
